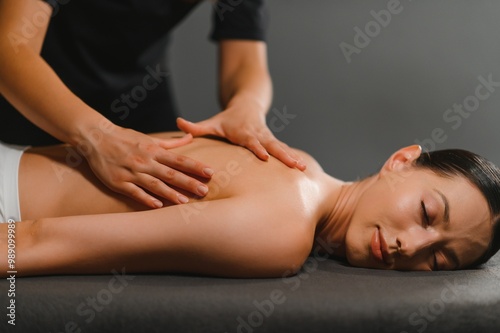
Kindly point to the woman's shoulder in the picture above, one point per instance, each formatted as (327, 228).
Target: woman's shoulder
(311, 163)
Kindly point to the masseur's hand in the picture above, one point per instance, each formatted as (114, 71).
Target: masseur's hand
(247, 129)
(133, 163)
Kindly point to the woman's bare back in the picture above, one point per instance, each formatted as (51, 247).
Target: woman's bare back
(258, 219)
(57, 181)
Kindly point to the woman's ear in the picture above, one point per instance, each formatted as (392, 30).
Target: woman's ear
(402, 159)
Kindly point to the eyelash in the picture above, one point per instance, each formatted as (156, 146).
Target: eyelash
(425, 216)
(426, 222)
(434, 262)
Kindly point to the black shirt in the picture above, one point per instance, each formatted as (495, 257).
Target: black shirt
(112, 54)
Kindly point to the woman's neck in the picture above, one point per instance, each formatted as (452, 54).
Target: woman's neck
(339, 207)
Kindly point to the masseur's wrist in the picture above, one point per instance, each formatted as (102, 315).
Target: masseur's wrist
(90, 131)
(247, 101)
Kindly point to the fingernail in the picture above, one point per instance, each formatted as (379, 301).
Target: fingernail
(208, 172)
(182, 199)
(158, 204)
(202, 190)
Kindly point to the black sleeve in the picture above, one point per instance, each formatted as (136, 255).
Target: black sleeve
(239, 19)
(52, 3)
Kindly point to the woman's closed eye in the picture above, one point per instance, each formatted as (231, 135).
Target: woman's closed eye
(426, 222)
(425, 216)
(435, 266)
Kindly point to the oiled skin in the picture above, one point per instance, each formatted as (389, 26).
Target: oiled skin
(258, 219)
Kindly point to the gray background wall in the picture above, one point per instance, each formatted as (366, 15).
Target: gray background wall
(394, 92)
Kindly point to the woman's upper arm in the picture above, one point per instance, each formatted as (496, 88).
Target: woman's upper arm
(242, 237)
(227, 237)
(23, 22)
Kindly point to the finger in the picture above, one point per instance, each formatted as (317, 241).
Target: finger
(175, 142)
(162, 178)
(254, 145)
(285, 154)
(138, 194)
(184, 164)
(162, 189)
(205, 127)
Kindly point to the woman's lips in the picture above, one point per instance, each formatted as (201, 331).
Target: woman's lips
(384, 249)
(375, 246)
(379, 247)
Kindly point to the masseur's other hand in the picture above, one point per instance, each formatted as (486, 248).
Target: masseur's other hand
(130, 163)
(249, 131)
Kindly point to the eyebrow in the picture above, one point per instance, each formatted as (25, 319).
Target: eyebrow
(446, 215)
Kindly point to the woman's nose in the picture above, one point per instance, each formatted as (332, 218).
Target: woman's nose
(413, 241)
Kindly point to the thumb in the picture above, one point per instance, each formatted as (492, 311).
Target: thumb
(205, 127)
(174, 142)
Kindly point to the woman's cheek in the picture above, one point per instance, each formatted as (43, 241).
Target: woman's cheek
(402, 210)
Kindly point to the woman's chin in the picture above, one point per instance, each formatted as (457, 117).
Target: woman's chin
(356, 259)
(364, 262)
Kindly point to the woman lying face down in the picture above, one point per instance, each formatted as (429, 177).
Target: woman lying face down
(421, 211)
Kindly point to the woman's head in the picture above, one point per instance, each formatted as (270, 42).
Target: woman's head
(481, 173)
(423, 211)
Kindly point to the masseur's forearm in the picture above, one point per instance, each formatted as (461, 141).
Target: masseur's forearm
(246, 95)
(248, 87)
(36, 91)
(244, 76)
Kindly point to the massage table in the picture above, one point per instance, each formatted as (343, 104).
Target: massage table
(326, 296)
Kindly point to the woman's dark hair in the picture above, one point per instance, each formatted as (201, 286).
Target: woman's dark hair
(479, 171)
